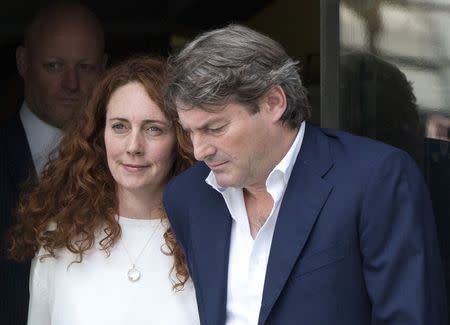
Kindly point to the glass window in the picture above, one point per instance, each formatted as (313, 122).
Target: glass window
(394, 85)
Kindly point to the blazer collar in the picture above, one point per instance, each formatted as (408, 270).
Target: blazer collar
(305, 196)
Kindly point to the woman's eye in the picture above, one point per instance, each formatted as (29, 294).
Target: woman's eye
(119, 127)
(154, 130)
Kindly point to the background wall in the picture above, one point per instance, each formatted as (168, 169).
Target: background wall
(160, 27)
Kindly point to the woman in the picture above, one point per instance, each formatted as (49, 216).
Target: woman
(104, 253)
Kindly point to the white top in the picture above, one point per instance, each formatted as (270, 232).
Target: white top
(98, 291)
(249, 257)
(42, 137)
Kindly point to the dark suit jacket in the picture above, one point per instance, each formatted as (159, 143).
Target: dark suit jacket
(16, 166)
(437, 171)
(354, 244)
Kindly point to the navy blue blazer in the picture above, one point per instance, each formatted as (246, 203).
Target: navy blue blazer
(16, 167)
(354, 244)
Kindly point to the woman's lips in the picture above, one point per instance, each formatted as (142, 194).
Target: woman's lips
(134, 167)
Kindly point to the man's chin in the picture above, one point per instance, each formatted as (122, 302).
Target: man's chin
(60, 121)
(69, 106)
(224, 181)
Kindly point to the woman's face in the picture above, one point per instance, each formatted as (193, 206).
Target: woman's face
(139, 140)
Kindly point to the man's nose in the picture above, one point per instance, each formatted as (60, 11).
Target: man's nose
(202, 147)
(71, 79)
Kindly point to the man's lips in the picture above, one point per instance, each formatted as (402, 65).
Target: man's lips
(216, 165)
(69, 99)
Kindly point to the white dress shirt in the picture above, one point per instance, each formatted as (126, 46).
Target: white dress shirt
(42, 138)
(249, 257)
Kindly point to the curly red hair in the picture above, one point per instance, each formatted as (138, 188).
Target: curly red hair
(77, 193)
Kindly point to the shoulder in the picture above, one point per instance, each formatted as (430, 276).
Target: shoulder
(13, 140)
(346, 141)
(197, 170)
(357, 150)
(41, 264)
(354, 158)
(186, 189)
(12, 127)
(190, 182)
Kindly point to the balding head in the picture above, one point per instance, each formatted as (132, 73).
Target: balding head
(63, 14)
(62, 58)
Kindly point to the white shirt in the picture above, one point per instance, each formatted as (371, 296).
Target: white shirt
(97, 291)
(42, 137)
(249, 257)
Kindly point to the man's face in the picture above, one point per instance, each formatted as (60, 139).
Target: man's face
(231, 141)
(60, 68)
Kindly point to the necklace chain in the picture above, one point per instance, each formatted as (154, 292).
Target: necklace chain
(133, 273)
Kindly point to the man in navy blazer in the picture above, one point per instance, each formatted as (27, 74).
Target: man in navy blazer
(286, 223)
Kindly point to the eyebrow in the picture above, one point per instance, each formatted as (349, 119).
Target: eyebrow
(207, 124)
(121, 119)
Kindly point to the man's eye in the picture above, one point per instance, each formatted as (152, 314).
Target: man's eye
(216, 129)
(88, 67)
(53, 66)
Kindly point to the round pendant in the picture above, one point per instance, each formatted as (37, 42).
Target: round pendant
(134, 274)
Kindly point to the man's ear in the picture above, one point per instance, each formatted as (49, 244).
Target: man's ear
(275, 103)
(21, 60)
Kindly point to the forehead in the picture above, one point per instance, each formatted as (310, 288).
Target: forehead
(132, 102)
(200, 117)
(74, 38)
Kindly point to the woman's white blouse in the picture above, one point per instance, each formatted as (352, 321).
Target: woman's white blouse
(98, 291)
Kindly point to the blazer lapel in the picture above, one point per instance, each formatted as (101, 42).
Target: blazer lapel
(305, 195)
(210, 229)
(20, 162)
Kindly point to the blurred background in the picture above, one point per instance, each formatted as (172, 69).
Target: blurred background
(162, 26)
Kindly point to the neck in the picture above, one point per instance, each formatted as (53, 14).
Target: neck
(281, 143)
(140, 204)
(258, 204)
(277, 149)
(258, 201)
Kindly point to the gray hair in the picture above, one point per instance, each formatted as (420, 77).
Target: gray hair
(235, 64)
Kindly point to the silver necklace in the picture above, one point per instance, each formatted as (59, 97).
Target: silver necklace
(133, 272)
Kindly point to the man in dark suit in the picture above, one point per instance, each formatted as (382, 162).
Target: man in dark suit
(286, 223)
(60, 61)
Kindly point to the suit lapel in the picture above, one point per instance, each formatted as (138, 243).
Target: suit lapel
(20, 162)
(210, 228)
(305, 195)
